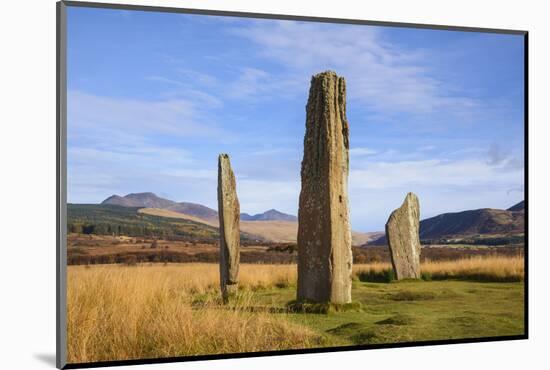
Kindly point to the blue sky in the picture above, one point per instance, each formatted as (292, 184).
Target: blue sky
(154, 97)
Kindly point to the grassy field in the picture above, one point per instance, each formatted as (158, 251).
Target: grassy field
(155, 310)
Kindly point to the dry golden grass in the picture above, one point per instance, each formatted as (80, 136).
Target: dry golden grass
(489, 268)
(121, 312)
(497, 268)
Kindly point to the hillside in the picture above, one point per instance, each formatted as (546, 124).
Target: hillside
(520, 207)
(196, 210)
(139, 200)
(108, 219)
(274, 231)
(479, 222)
(180, 215)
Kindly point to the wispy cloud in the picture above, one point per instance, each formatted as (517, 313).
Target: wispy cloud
(178, 117)
(359, 152)
(500, 158)
(432, 173)
(251, 84)
(374, 67)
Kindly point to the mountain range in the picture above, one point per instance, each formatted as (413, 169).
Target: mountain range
(151, 200)
(270, 225)
(281, 227)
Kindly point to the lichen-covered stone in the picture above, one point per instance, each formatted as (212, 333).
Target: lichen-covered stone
(402, 234)
(229, 214)
(324, 233)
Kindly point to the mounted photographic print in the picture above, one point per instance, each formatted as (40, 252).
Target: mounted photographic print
(235, 185)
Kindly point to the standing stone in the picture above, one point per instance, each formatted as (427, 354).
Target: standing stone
(228, 211)
(324, 233)
(402, 234)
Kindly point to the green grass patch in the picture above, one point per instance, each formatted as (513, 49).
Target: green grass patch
(410, 311)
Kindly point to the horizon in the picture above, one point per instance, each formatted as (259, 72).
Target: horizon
(258, 213)
(153, 98)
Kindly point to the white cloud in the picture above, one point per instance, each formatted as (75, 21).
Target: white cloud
(362, 152)
(384, 77)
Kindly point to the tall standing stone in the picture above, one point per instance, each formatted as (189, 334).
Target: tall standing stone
(228, 211)
(324, 233)
(402, 234)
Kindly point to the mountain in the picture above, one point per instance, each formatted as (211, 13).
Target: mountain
(194, 209)
(467, 223)
(151, 200)
(271, 215)
(520, 207)
(485, 221)
(148, 200)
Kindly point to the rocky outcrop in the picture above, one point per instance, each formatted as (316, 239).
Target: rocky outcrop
(228, 211)
(324, 234)
(402, 234)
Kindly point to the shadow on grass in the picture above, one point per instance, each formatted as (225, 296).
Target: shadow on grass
(388, 276)
(219, 305)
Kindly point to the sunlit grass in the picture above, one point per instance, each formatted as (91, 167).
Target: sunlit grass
(118, 312)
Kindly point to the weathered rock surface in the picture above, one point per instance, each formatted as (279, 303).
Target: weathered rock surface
(324, 234)
(229, 214)
(402, 234)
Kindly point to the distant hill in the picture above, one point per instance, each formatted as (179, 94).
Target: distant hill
(149, 200)
(479, 221)
(193, 209)
(485, 221)
(520, 207)
(271, 215)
